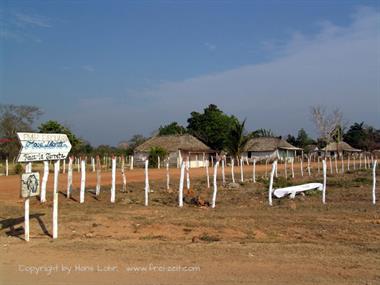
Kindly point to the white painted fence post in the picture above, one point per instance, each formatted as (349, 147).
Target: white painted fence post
(44, 181)
(187, 174)
(167, 175)
(113, 177)
(348, 162)
(374, 182)
(55, 200)
(215, 184)
(331, 167)
(354, 158)
(131, 166)
(98, 175)
(308, 166)
(182, 176)
(232, 170)
(365, 162)
(286, 167)
(241, 170)
(124, 189)
(207, 174)
(6, 167)
(360, 161)
(79, 164)
(292, 165)
(342, 160)
(64, 166)
(254, 171)
(82, 181)
(147, 188)
(158, 162)
(274, 166)
(93, 164)
(28, 169)
(336, 164)
(70, 177)
(324, 181)
(318, 165)
(212, 161)
(302, 164)
(223, 173)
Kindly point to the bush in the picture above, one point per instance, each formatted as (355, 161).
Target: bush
(154, 153)
(18, 168)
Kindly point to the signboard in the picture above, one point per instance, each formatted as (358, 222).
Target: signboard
(30, 184)
(40, 147)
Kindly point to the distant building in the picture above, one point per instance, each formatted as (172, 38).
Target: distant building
(264, 148)
(179, 147)
(339, 149)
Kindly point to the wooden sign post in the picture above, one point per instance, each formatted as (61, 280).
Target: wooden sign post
(42, 147)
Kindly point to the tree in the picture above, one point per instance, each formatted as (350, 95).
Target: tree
(291, 139)
(211, 127)
(171, 129)
(263, 133)
(13, 119)
(363, 137)
(135, 141)
(237, 139)
(303, 139)
(78, 145)
(326, 124)
(154, 153)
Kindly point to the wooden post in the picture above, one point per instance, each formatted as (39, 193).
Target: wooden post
(274, 166)
(6, 167)
(215, 185)
(28, 169)
(187, 173)
(374, 182)
(286, 164)
(180, 191)
(167, 175)
(131, 166)
(82, 181)
(241, 170)
(232, 170)
(324, 181)
(147, 188)
(70, 177)
(44, 181)
(302, 163)
(254, 171)
(98, 175)
(55, 200)
(292, 165)
(223, 173)
(124, 189)
(113, 177)
(207, 174)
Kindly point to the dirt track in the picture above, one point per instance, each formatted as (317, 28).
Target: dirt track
(242, 241)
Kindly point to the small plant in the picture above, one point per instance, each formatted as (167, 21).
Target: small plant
(18, 168)
(154, 153)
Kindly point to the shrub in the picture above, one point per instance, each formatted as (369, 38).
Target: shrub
(18, 168)
(154, 153)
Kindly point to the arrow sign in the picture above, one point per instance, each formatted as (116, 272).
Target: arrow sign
(39, 147)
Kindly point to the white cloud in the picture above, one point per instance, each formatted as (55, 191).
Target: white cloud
(88, 68)
(339, 66)
(32, 20)
(210, 46)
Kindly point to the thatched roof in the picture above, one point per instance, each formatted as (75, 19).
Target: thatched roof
(268, 144)
(341, 146)
(172, 143)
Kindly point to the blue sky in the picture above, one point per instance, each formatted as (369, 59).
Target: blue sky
(111, 69)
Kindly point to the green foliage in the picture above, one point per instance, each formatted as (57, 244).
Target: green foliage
(363, 137)
(211, 127)
(262, 133)
(13, 119)
(291, 139)
(18, 168)
(303, 139)
(78, 146)
(237, 139)
(171, 129)
(154, 153)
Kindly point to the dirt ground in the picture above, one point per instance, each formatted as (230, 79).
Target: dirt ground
(241, 241)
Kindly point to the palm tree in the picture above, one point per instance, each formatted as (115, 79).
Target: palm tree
(237, 139)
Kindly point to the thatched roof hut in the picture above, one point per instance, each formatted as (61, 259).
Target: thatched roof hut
(339, 147)
(264, 144)
(173, 143)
